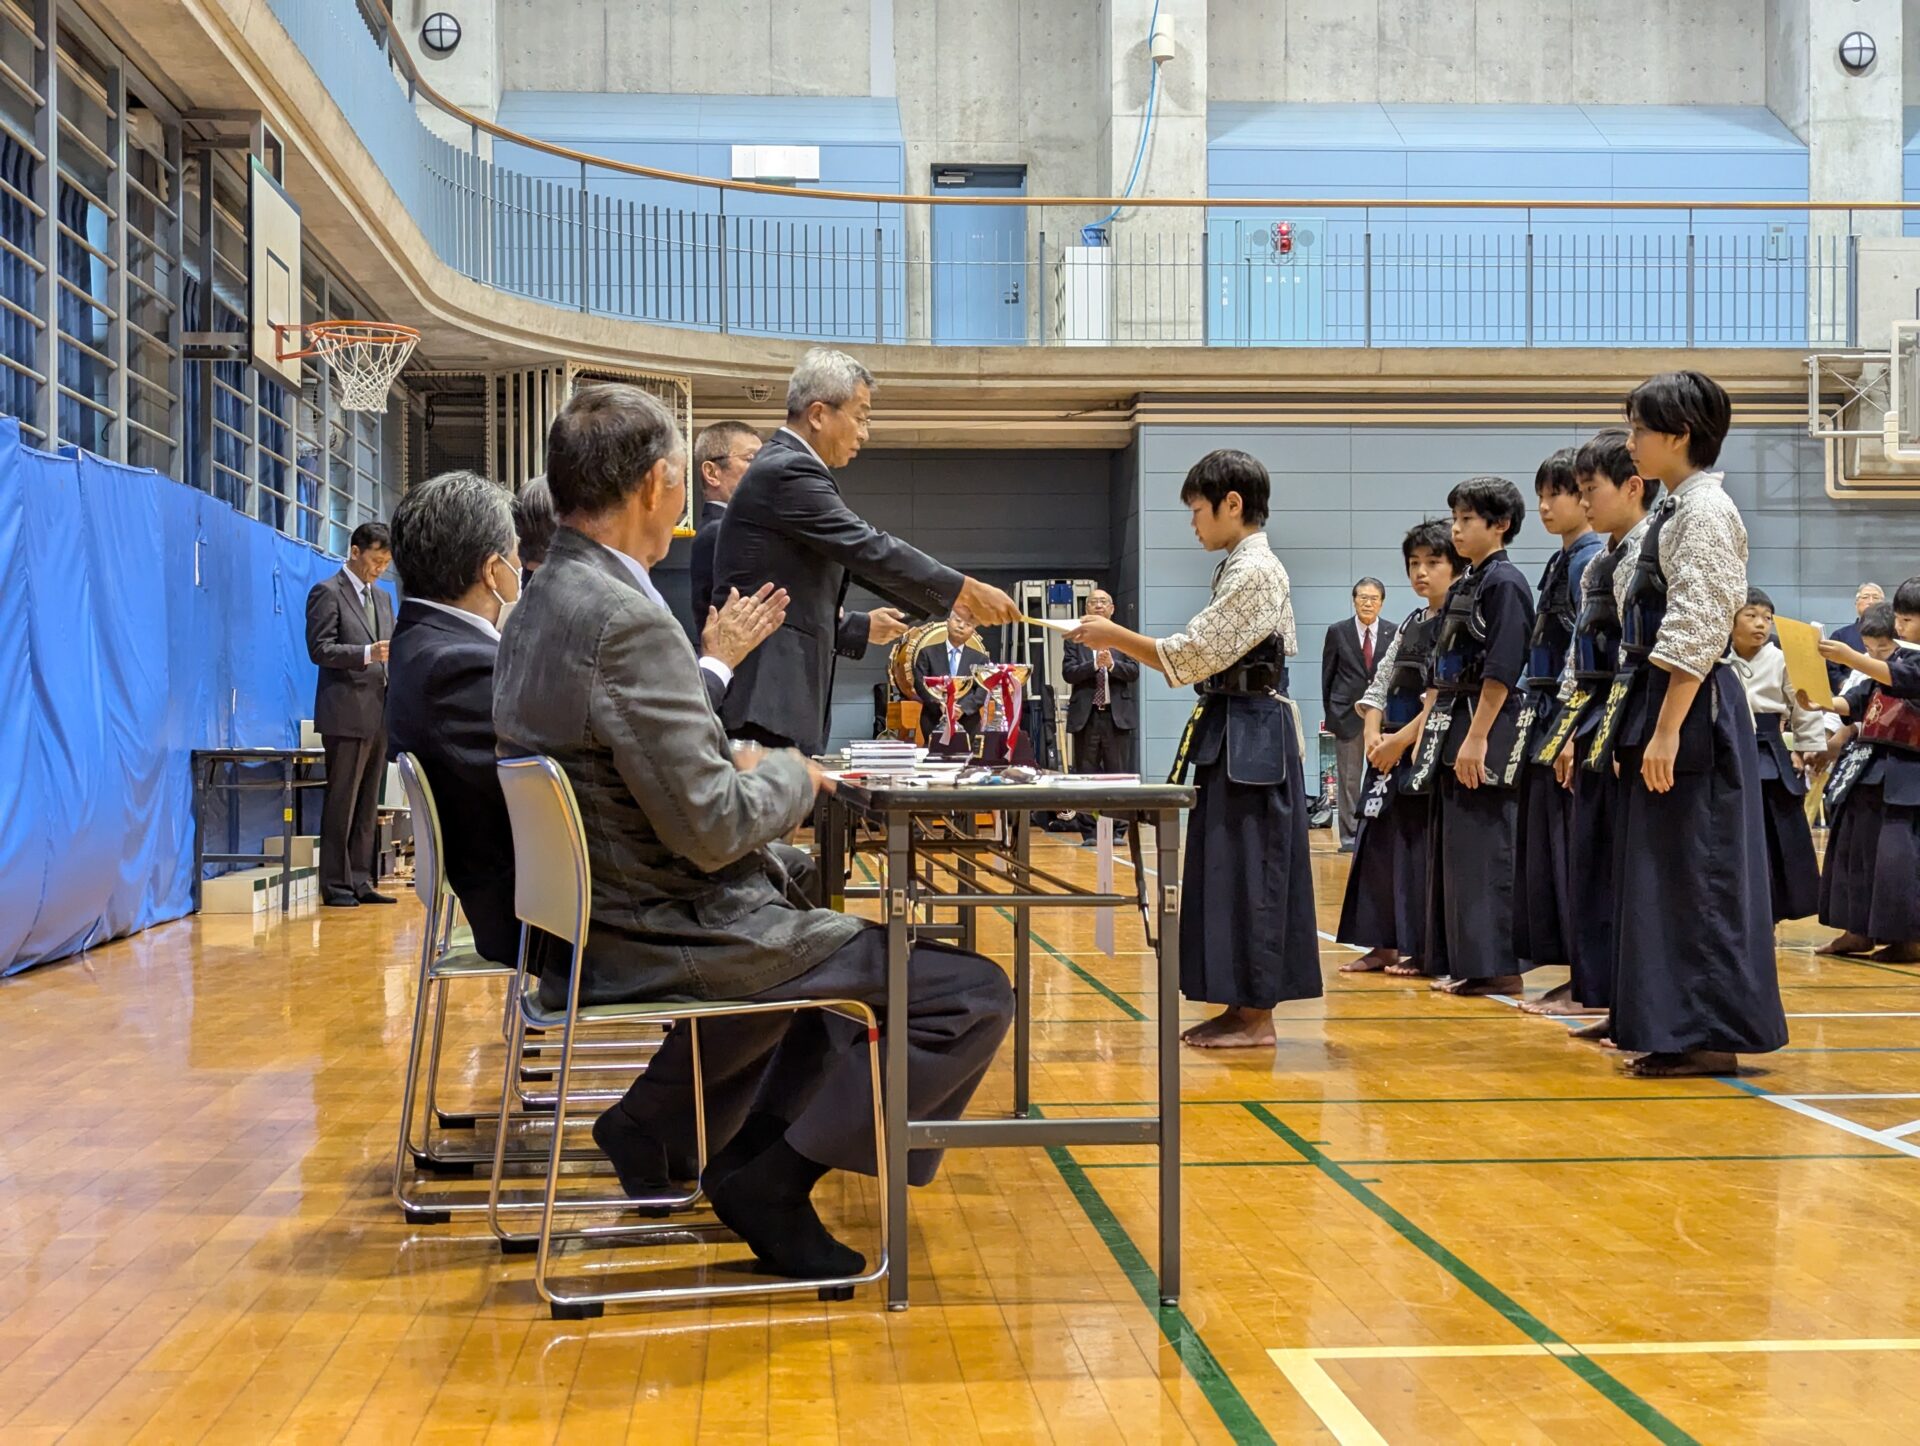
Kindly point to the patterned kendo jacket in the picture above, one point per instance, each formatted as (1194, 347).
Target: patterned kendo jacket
(1251, 607)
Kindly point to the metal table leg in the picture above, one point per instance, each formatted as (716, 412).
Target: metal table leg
(286, 836)
(899, 864)
(200, 792)
(1018, 821)
(1167, 843)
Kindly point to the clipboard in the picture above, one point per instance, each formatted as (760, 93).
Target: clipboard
(1806, 669)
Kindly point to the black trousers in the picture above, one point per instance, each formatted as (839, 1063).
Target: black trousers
(1101, 747)
(355, 767)
(811, 1069)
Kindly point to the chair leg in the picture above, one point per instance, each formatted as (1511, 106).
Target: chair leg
(433, 1067)
(403, 1153)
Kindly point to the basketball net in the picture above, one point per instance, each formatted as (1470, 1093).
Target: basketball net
(363, 357)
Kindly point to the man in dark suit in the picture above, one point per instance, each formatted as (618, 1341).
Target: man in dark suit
(1868, 594)
(689, 901)
(349, 631)
(1100, 713)
(955, 658)
(1353, 648)
(454, 549)
(788, 525)
(720, 456)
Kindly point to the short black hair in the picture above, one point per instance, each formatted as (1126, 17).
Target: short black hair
(534, 520)
(1493, 499)
(1227, 470)
(1690, 402)
(1437, 537)
(1556, 475)
(445, 529)
(371, 535)
(1606, 454)
(602, 445)
(1877, 621)
(1372, 582)
(1906, 597)
(1757, 599)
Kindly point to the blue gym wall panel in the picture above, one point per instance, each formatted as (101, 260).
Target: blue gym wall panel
(140, 619)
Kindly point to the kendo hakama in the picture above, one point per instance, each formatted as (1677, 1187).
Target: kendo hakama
(1471, 831)
(1694, 965)
(1385, 905)
(1247, 929)
(1543, 864)
(1793, 869)
(1871, 885)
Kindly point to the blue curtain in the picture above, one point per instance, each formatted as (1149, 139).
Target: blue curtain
(140, 619)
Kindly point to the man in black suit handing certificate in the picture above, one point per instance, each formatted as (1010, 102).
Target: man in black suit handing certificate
(1354, 647)
(1101, 714)
(787, 525)
(349, 626)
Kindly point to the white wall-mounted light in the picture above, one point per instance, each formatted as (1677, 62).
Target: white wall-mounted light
(440, 32)
(1858, 52)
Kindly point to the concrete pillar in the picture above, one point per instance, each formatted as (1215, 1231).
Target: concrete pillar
(1854, 129)
(1158, 255)
(469, 77)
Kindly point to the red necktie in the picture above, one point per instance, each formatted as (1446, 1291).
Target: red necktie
(1366, 650)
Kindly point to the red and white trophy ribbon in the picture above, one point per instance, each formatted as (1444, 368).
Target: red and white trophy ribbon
(951, 687)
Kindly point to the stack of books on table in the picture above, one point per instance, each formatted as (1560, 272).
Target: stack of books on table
(883, 755)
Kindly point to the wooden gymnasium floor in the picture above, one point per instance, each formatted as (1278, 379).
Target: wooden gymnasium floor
(1424, 1220)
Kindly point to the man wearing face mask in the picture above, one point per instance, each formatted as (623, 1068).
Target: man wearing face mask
(457, 554)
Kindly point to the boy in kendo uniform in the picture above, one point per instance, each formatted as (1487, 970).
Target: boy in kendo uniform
(1871, 887)
(1787, 735)
(1695, 981)
(1542, 854)
(1616, 498)
(1248, 939)
(1467, 747)
(1385, 906)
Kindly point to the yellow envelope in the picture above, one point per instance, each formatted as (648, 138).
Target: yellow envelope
(1806, 669)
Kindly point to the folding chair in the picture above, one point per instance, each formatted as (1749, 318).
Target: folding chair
(553, 892)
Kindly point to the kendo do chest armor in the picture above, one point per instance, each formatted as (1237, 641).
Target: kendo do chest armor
(1458, 661)
(1595, 646)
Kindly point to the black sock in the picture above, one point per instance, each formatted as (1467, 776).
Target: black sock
(766, 1203)
(760, 1129)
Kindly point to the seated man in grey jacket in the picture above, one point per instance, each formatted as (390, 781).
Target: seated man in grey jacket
(689, 901)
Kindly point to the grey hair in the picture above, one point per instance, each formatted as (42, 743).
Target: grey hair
(445, 529)
(1372, 582)
(603, 444)
(825, 375)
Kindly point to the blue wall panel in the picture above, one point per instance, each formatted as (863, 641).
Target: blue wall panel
(144, 619)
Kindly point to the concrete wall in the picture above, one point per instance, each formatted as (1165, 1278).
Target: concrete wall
(1344, 496)
(1622, 52)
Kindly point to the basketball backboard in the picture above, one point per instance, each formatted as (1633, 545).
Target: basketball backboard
(273, 275)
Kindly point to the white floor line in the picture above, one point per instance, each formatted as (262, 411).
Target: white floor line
(1799, 1106)
(1900, 1132)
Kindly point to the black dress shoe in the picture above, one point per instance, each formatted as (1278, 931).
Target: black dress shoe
(373, 897)
(341, 901)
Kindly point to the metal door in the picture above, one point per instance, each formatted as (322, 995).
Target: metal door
(979, 282)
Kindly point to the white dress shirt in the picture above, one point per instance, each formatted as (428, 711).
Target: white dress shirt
(1369, 639)
(461, 613)
(633, 565)
(361, 590)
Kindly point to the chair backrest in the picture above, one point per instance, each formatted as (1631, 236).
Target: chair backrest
(552, 887)
(429, 856)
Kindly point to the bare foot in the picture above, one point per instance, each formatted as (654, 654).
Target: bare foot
(1680, 1066)
(1466, 988)
(1206, 1026)
(1407, 969)
(1557, 1000)
(1599, 1029)
(1235, 1029)
(1370, 961)
(1846, 945)
(1908, 953)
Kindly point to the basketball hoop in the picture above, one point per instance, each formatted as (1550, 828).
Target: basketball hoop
(363, 357)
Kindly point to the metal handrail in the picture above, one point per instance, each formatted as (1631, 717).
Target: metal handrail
(381, 21)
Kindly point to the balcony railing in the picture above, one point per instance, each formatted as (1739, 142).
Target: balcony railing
(616, 239)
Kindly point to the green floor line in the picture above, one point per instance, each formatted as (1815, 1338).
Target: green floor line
(1517, 1315)
(1376, 1164)
(1200, 1362)
(1636, 1099)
